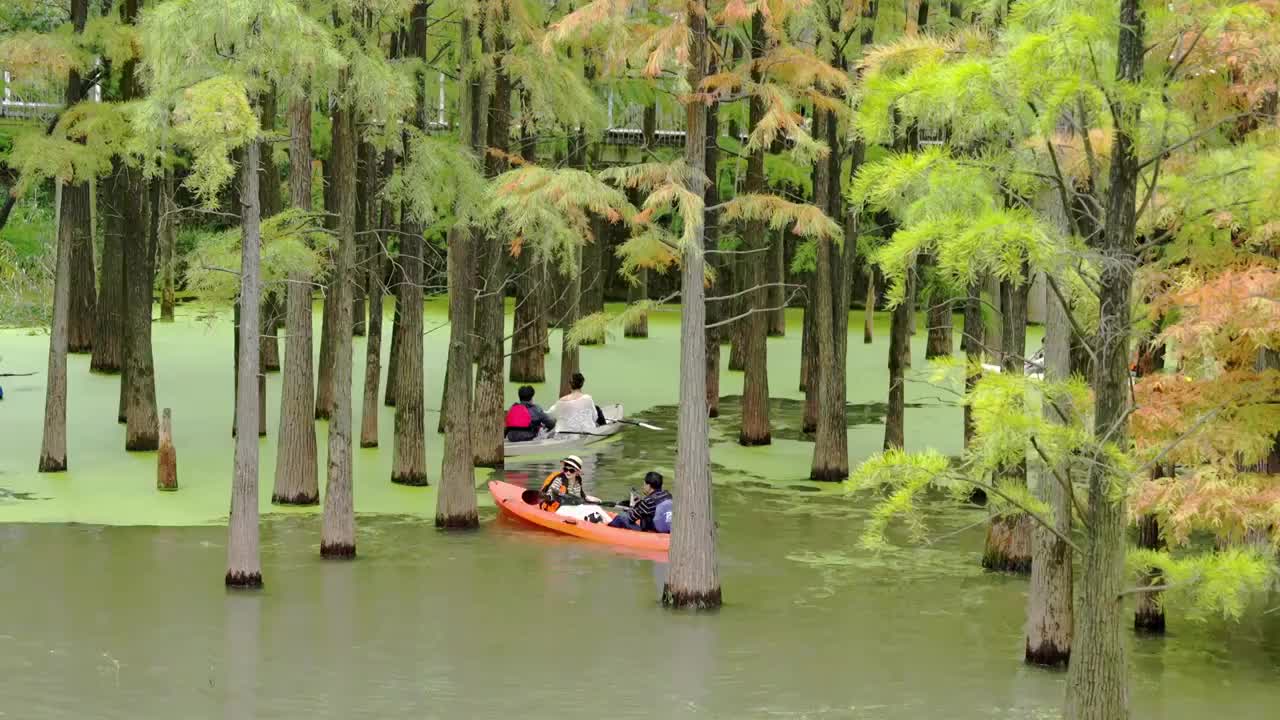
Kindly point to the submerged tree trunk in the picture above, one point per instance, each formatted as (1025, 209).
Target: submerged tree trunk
(637, 291)
(72, 219)
(1049, 601)
(168, 246)
(397, 331)
(776, 274)
(167, 456)
(80, 327)
(142, 430)
(296, 463)
(809, 359)
(755, 327)
(244, 567)
(108, 340)
(1008, 544)
(716, 309)
(569, 351)
(940, 343)
(528, 363)
(271, 204)
(338, 530)
(831, 322)
(693, 579)
(899, 361)
(456, 500)
(329, 316)
(409, 464)
(1148, 608)
(377, 290)
(1097, 682)
(869, 308)
(971, 342)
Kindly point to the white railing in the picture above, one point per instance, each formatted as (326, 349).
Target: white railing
(13, 105)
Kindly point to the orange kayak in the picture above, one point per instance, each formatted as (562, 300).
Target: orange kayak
(507, 497)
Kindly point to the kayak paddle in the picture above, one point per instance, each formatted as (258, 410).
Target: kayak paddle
(644, 425)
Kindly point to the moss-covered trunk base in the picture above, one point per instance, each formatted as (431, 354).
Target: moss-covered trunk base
(465, 521)
(1047, 655)
(338, 551)
(410, 479)
(689, 600)
(298, 499)
(1008, 547)
(244, 580)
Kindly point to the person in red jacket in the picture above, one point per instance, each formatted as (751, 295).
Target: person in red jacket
(525, 420)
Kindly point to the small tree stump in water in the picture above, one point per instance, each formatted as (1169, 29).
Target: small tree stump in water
(167, 457)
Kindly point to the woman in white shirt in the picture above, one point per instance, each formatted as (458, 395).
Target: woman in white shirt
(577, 411)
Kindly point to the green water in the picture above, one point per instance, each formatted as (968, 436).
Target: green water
(112, 605)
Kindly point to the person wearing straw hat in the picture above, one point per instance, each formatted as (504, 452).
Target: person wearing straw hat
(564, 487)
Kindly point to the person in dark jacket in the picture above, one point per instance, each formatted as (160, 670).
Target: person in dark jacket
(641, 514)
(525, 420)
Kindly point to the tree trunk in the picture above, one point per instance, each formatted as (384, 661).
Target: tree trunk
(80, 327)
(409, 466)
(393, 360)
(167, 457)
(110, 325)
(972, 342)
(716, 309)
(271, 204)
(329, 316)
(1148, 610)
(1049, 601)
(1008, 544)
(168, 247)
(366, 163)
(142, 431)
(776, 274)
(377, 290)
(456, 500)
(568, 351)
(592, 277)
(108, 340)
(755, 327)
(638, 291)
(869, 308)
(487, 403)
(338, 529)
(809, 360)
(528, 363)
(244, 567)
(899, 354)
(71, 220)
(741, 276)
(295, 480)
(693, 579)
(940, 344)
(831, 441)
(1097, 679)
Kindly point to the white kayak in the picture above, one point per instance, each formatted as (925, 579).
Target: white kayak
(564, 442)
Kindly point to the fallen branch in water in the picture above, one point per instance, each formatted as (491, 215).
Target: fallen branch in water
(17, 374)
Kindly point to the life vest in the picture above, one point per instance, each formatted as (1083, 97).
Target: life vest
(519, 417)
(549, 503)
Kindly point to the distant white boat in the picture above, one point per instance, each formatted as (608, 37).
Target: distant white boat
(564, 442)
(1032, 368)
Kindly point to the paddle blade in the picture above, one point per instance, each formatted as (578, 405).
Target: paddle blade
(531, 497)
